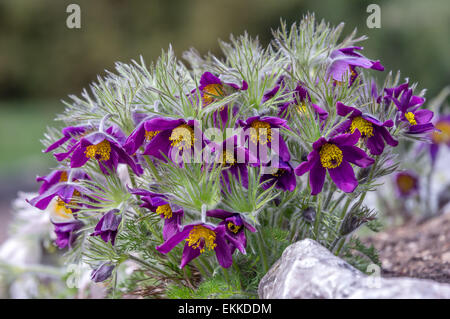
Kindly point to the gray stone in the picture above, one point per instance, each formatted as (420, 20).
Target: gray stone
(308, 270)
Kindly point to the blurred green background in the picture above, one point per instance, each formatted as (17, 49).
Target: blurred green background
(42, 61)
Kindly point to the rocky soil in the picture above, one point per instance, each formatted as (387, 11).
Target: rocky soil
(416, 249)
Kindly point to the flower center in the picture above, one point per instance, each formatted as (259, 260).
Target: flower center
(411, 118)
(233, 227)
(202, 237)
(182, 135)
(61, 209)
(100, 151)
(149, 135)
(63, 177)
(444, 135)
(330, 156)
(279, 172)
(165, 211)
(405, 183)
(228, 158)
(301, 108)
(364, 127)
(211, 92)
(260, 131)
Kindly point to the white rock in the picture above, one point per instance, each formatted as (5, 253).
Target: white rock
(308, 270)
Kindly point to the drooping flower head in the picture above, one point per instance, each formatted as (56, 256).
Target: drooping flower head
(200, 237)
(346, 60)
(66, 233)
(102, 272)
(108, 226)
(261, 131)
(235, 227)
(282, 176)
(334, 155)
(373, 132)
(406, 183)
(159, 204)
(60, 175)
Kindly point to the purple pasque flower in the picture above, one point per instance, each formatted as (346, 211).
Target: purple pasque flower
(164, 135)
(107, 149)
(104, 147)
(102, 272)
(282, 176)
(441, 136)
(107, 226)
(234, 159)
(159, 204)
(199, 238)
(265, 130)
(419, 120)
(334, 155)
(345, 61)
(60, 175)
(373, 132)
(213, 89)
(235, 227)
(66, 233)
(64, 191)
(406, 183)
(299, 104)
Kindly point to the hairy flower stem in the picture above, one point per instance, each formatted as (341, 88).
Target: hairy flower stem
(149, 266)
(330, 196)
(260, 242)
(318, 215)
(153, 168)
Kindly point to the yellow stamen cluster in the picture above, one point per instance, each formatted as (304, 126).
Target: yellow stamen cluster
(61, 208)
(228, 158)
(411, 118)
(301, 108)
(233, 227)
(101, 151)
(165, 211)
(200, 234)
(260, 131)
(63, 177)
(211, 92)
(364, 127)
(279, 172)
(444, 135)
(182, 136)
(405, 183)
(330, 156)
(149, 135)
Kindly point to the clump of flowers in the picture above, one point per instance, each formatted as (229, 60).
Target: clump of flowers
(208, 172)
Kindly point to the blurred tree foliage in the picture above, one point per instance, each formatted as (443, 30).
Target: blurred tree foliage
(41, 58)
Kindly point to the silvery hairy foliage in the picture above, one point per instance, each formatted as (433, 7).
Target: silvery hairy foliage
(201, 173)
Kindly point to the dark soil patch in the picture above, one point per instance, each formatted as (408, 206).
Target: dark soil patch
(419, 250)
